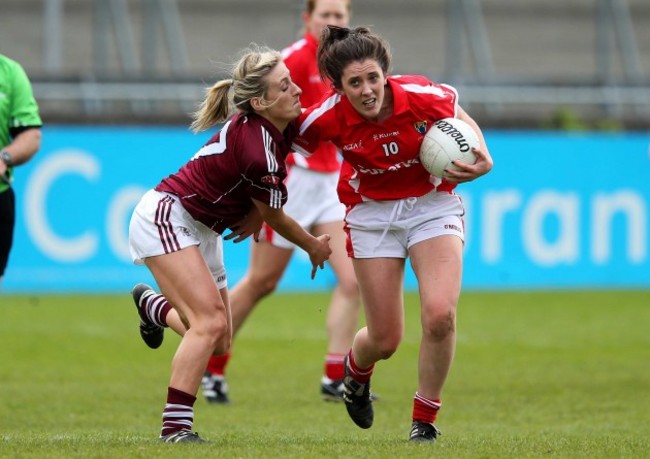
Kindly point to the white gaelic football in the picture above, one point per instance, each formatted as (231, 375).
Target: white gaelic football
(449, 139)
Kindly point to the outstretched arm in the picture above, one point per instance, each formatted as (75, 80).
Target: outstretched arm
(317, 248)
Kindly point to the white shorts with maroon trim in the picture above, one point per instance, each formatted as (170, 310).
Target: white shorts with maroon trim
(389, 228)
(160, 225)
(312, 201)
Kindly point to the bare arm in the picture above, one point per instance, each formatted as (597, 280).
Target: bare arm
(317, 248)
(24, 146)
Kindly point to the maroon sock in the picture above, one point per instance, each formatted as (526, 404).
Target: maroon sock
(154, 308)
(178, 413)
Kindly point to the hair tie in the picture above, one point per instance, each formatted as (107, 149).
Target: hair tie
(338, 33)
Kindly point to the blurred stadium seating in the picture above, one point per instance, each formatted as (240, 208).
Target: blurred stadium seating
(516, 64)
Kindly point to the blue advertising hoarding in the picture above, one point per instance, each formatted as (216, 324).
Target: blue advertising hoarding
(559, 210)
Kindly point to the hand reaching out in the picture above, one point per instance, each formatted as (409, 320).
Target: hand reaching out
(251, 224)
(320, 253)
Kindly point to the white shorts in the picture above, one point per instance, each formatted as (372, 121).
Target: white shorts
(312, 201)
(160, 225)
(389, 228)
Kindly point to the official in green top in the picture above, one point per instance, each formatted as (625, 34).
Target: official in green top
(20, 139)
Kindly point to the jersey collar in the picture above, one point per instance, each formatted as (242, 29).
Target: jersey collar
(400, 99)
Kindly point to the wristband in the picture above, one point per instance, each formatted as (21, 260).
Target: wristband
(6, 158)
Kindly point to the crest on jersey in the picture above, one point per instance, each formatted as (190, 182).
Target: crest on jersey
(273, 180)
(420, 126)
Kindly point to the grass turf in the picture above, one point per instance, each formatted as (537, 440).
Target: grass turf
(543, 374)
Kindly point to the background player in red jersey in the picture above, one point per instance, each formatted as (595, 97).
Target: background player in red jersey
(395, 210)
(314, 204)
(234, 182)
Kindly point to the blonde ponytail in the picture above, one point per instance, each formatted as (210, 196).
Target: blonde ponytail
(248, 81)
(215, 108)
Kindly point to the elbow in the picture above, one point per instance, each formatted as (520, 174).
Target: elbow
(37, 137)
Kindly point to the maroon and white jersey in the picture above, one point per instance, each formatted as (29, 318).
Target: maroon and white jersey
(381, 160)
(300, 59)
(244, 160)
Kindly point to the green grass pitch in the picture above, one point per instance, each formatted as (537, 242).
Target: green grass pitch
(536, 374)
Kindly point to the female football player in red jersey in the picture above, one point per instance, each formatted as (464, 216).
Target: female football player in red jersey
(313, 203)
(235, 182)
(395, 210)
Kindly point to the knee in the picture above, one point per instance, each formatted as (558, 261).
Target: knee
(217, 333)
(385, 352)
(440, 322)
(387, 345)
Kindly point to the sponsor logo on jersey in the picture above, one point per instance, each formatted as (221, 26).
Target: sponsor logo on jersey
(384, 135)
(393, 168)
(421, 126)
(271, 180)
(353, 146)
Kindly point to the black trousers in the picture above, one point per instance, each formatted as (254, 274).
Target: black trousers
(7, 223)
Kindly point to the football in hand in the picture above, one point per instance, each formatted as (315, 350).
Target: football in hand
(449, 139)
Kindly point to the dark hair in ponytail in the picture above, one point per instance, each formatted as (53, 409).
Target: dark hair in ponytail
(340, 46)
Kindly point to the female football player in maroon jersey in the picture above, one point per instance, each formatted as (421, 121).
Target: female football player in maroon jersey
(395, 210)
(314, 204)
(234, 182)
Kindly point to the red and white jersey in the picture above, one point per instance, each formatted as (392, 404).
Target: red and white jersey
(300, 59)
(244, 160)
(381, 160)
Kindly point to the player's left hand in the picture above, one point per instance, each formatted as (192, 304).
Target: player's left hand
(469, 172)
(250, 225)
